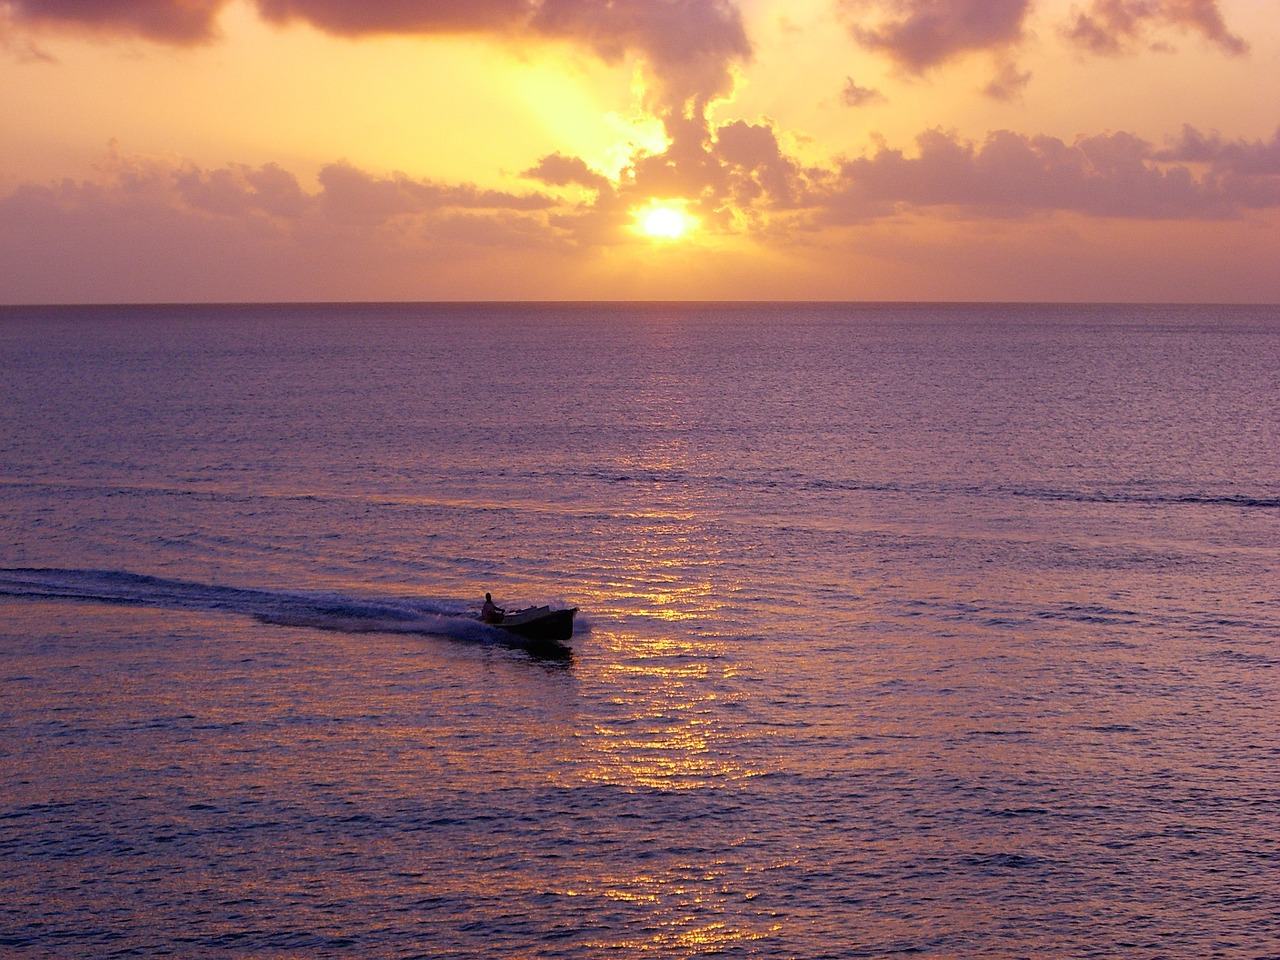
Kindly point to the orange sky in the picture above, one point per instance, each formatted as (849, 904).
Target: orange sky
(226, 150)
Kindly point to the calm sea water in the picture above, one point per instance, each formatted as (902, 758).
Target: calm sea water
(948, 631)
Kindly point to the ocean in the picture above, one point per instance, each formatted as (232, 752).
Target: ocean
(947, 631)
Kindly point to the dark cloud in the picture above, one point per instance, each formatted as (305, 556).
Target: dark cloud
(1117, 26)
(922, 34)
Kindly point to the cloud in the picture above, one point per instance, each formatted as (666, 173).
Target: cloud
(740, 179)
(1256, 158)
(922, 34)
(1117, 26)
(352, 196)
(356, 17)
(735, 177)
(195, 21)
(856, 96)
(181, 22)
(145, 223)
(689, 49)
(758, 169)
(347, 195)
(557, 170)
(1116, 175)
(146, 229)
(1008, 83)
(690, 46)
(238, 190)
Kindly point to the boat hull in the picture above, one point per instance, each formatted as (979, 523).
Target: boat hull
(540, 629)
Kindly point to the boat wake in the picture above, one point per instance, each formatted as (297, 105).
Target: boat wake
(319, 610)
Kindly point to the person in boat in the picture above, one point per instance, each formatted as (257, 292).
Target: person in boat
(491, 612)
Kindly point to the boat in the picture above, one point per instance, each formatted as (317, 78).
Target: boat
(541, 629)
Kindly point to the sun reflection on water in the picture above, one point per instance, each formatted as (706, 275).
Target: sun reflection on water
(708, 938)
(665, 725)
(692, 910)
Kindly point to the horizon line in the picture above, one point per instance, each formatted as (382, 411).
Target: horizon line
(633, 302)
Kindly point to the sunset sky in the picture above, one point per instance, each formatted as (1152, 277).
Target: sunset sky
(233, 150)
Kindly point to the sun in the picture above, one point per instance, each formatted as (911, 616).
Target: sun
(664, 220)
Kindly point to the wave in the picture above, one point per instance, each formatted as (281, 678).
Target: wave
(1152, 498)
(318, 610)
(772, 481)
(1264, 500)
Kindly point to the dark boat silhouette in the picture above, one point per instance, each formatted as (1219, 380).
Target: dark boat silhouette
(540, 630)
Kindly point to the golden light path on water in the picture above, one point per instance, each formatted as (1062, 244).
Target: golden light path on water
(663, 726)
(671, 685)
